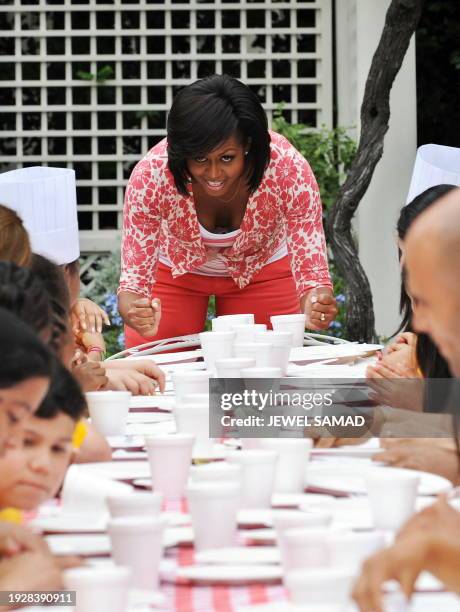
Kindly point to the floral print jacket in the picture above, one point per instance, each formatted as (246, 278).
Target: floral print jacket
(286, 206)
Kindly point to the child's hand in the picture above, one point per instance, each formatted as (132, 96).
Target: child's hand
(88, 316)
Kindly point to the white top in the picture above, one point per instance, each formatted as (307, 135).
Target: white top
(215, 243)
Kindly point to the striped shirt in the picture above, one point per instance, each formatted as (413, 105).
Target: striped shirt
(215, 243)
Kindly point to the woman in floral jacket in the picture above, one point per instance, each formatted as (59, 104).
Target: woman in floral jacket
(221, 207)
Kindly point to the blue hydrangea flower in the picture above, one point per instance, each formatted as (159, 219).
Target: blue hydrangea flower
(340, 298)
(121, 340)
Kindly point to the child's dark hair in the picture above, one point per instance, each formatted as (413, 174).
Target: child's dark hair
(64, 396)
(24, 355)
(23, 293)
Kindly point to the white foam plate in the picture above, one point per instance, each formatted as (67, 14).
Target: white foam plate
(162, 402)
(70, 523)
(177, 536)
(345, 478)
(228, 574)
(122, 454)
(266, 537)
(83, 545)
(149, 429)
(126, 442)
(117, 470)
(254, 516)
(241, 555)
(345, 451)
(148, 417)
(294, 500)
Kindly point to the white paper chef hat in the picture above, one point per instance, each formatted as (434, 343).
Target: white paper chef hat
(434, 165)
(45, 199)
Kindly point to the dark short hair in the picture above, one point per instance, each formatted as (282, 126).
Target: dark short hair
(64, 396)
(205, 114)
(24, 355)
(420, 203)
(23, 293)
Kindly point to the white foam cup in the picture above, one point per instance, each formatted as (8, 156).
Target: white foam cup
(293, 455)
(305, 547)
(259, 351)
(109, 411)
(104, 589)
(317, 588)
(231, 367)
(194, 419)
(350, 549)
(170, 456)
(213, 507)
(216, 345)
(257, 476)
(137, 503)
(137, 542)
(281, 347)
(392, 497)
(186, 382)
(246, 333)
(294, 323)
(217, 471)
(228, 322)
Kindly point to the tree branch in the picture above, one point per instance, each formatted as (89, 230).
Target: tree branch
(400, 23)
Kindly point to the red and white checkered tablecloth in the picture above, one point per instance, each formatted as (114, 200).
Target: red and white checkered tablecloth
(221, 598)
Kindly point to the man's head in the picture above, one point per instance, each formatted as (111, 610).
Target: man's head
(433, 271)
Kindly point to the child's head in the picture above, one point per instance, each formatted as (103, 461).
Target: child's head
(26, 368)
(32, 472)
(14, 239)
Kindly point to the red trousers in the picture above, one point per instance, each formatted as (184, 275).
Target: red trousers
(184, 300)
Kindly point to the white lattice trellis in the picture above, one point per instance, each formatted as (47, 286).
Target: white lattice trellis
(52, 115)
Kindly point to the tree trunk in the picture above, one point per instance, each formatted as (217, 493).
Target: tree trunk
(400, 23)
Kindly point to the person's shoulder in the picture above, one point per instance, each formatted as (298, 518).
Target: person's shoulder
(282, 150)
(152, 167)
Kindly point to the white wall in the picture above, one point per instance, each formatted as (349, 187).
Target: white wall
(359, 26)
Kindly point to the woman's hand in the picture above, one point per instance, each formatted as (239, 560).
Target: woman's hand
(88, 316)
(320, 308)
(140, 313)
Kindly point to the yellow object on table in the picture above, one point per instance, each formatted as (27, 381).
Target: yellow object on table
(79, 434)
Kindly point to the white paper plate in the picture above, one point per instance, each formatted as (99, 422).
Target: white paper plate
(117, 470)
(165, 359)
(341, 477)
(82, 545)
(228, 574)
(244, 555)
(426, 582)
(144, 483)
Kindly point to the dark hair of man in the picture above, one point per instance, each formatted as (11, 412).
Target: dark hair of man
(23, 293)
(205, 114)
(24, 355)
(53, 279)
(64, 396)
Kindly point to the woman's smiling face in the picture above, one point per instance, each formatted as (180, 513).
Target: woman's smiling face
(219, 172)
